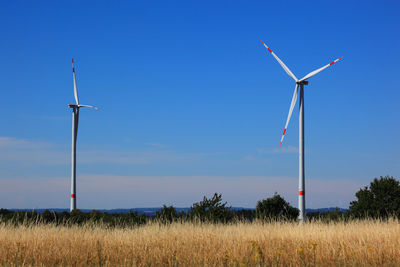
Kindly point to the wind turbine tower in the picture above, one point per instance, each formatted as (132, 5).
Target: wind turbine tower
(75, 118)
(299, 83)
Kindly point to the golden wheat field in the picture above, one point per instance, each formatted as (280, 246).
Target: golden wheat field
(357, 243)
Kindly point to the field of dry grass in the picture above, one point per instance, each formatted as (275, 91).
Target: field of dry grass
(356, 243)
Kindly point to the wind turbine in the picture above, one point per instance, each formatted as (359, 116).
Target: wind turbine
(75, 119)
(301, 83)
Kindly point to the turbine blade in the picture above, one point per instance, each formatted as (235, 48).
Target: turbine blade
(75, 88)
(294, 99)
(319, 70)
(87, 106)
(280, 62)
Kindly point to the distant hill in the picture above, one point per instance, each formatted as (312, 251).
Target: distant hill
(147, 211)
(152, 211)
(327, 210)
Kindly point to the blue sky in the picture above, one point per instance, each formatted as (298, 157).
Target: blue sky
(192, 103)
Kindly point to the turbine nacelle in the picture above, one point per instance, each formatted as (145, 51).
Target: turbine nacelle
(302, 82)
(82, 106)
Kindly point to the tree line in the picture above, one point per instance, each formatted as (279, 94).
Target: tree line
(381, 199)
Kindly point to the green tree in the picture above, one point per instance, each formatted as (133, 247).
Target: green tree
(95, 215)
(212, 210)
(166, 214)
(5, 212)
(275, 208)
(77, 216)
(48, 216)
(381, 199)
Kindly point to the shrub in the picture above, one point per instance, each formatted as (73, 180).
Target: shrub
(212, 210)
(275, 208)
(380, 200)
(166, 214)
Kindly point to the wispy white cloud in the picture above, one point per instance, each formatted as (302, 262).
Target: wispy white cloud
(286, 150)
(143, 157)
(111, 191)
(47, 117)
(253, 158)
(12, 142)
(278, 150)
(26, 152)
(155, 145)
(264, 155)
(139, 191)
(127, 157)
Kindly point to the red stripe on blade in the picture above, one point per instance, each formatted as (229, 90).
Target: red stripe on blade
(269, 50)
(73, 69)
(301, 193)
(73, 195)
(284, 131)
(331, 62)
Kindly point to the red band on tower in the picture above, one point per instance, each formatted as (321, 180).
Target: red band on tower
(73, 195)
(301, 193)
